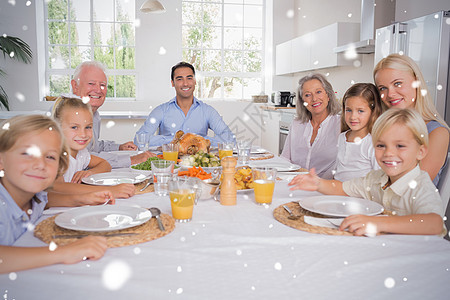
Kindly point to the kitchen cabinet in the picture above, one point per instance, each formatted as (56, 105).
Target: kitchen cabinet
(283, 65)
(270, 127)
(315, 50)
(270, 130)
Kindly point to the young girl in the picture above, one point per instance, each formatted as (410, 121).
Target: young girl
(75, 118)
(361, 106)
(32, 154)
(401, 85)
(400, 139)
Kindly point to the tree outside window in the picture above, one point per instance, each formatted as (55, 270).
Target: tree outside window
(224, 40)
(80, 30)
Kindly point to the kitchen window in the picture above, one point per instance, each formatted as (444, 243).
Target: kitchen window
(80, 30)
(224, 40)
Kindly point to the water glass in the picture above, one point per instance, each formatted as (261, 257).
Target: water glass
(142, 140)
(225, 149)
(162, 173)
(170, 152)
(264, 184)
(183, 196)
(244, 147)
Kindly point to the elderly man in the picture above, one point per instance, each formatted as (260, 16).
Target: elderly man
(185, 112)
(89, 80)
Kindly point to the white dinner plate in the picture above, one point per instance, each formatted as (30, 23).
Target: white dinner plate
(114, 178)
(103, 218)
(126, 152)
(341, 206)
(254, 150)
(280, 166)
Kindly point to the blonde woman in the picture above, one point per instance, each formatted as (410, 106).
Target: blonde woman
(401, 84)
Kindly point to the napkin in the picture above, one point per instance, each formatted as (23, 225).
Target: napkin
(324, 222)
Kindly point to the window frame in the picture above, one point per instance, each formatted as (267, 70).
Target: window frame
(69, 71)
(200, 74)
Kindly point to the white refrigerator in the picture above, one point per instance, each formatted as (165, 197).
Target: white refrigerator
(427, 41)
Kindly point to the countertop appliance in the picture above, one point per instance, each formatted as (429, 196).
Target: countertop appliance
(283, 99)
(427, 41)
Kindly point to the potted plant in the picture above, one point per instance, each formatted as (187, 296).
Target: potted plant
(16, 49)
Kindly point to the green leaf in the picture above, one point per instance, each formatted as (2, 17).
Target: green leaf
(22, 51)
(4, 98)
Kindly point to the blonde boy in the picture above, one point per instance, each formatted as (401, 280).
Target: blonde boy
(400, 140)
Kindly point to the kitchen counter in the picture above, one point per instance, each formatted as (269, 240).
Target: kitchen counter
(278, 108)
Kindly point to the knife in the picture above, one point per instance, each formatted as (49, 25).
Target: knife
(79, 236)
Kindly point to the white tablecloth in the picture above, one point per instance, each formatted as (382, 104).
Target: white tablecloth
(242, 252)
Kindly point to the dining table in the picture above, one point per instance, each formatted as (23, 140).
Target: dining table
(242, 252)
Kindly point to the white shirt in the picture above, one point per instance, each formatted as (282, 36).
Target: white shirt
(413, 193)
(322, 153)
(354, 159)
(77, 164)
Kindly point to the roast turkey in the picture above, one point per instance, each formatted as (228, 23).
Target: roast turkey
(190, 143)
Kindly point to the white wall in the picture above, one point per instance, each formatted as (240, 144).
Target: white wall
(410, 9)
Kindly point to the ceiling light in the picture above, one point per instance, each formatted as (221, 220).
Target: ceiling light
(152, 6)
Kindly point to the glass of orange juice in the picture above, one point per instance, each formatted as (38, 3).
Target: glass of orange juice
(182, 198)
(170, 152)
(225, 149)
(264, 184)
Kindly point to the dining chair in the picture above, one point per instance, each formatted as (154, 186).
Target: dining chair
(444, 184)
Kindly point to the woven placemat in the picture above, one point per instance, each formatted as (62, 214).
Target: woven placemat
(281, 215)
(261, 156)
(146, 232)
(140, 185)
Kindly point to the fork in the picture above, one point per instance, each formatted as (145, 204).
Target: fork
(291, 214)
(146, 186)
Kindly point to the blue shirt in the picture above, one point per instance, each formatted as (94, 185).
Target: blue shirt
(432, 125)
(13, 220)
(169, 118)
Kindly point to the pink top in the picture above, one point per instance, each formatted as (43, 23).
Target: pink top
(322, 153)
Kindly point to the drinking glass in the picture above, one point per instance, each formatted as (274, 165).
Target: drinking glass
(162, 173)
(183, 194)
(244, 147)
(264, 184)
(170, 152)
(225, 149)
(142, 140)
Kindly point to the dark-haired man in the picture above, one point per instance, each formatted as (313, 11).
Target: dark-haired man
(185, 112)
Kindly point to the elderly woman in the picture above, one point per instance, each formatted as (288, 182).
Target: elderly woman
(313, 136)
(401, 84)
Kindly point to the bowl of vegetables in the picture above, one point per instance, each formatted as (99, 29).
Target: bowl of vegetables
(209, 162)
(146, 166)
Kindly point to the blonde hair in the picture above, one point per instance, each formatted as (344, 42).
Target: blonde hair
(64, 102)
(423, 103)
(368, 92)
(408, 117)
(13, 129)
(333, 107)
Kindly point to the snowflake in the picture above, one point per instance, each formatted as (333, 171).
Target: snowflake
(389, 282)
(115, 275)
